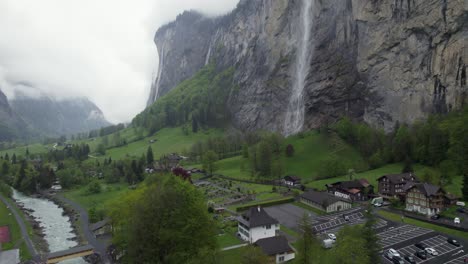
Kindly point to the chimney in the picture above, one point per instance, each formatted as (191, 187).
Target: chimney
(258, 208)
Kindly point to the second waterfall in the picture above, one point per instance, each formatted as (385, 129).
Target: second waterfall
(294, 119)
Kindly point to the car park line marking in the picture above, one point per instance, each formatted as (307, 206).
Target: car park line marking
(439, 243)
(458, 260)
(400, 234)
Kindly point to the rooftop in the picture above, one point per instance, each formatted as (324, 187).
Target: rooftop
(257, 216)
(274, 245)
(322, 198)
(395, 178)
(426, 188)
(10, 256)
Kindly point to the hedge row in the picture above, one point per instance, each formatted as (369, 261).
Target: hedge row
(266, 204)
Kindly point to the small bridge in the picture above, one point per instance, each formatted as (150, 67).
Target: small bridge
(71, 253)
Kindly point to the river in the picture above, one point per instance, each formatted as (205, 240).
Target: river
(57, 228)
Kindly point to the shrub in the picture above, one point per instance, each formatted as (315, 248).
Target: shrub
(94, 187)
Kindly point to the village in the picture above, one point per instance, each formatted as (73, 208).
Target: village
(273, 226)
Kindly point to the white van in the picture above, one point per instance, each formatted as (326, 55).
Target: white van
(460, 203)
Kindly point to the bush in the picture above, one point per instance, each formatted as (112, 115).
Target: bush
(94, 187)
(332, 167)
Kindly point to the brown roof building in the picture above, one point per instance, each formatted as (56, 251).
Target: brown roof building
(356, 190)
(392, 185)
(424, 198)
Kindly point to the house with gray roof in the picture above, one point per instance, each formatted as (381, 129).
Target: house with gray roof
(424, 198)
(324, 201)
(256, 224)
(392, 185)
(276, 248)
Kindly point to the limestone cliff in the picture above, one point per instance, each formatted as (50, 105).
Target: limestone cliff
(380, 61)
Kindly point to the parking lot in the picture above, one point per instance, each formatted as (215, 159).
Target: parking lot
(447, 253)
(400, 234)
(338, 221)
(458, 260)
(289, 215)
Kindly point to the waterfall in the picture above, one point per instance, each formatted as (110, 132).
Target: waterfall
(208, 55)
(155, 89)
(295, 112)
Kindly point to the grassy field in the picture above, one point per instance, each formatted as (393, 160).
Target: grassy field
(99, 201)
(441, 229)
(227, 240)
(168, 140)
(233, 256)
(7, 219)
(310, 151)
(21, 151)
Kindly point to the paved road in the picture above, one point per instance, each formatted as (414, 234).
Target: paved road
(99, 246)
(22, 225)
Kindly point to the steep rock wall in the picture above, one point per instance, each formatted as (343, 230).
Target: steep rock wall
(380, 61)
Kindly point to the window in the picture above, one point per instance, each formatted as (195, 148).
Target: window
(268, 227)
(281, 259)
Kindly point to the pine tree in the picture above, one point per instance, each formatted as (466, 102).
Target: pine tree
(149, 156)
(465, 187)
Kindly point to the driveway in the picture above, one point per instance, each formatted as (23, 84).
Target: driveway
(288, 215)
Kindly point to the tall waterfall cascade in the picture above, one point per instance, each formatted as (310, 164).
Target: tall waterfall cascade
(294, 119)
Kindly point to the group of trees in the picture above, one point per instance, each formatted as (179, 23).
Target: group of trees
(104, 131)
(199, 101)
(439, 141)
(265, 157)
(164, 221)
(24, 175)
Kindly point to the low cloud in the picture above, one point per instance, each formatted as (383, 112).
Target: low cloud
(102, 49)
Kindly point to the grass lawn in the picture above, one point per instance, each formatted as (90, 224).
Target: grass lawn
(109, 192)
(228, 239)
(309, 153)
(21, 151)
(233, 256)
(16, 239)
(396, 217)
(169, 140)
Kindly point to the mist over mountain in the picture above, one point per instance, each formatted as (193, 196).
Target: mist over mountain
(54, 117)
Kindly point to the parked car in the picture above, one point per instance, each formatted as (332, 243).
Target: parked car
(432, 251)
(378, 205)
(332, 237)
(435, 217)
(456, 220)
(398, 260)
(421, 246)
(410, 259)
(460, 203)
(346, 217)
(453, 242)
(461, 210)
(391, 253)
(421, 254)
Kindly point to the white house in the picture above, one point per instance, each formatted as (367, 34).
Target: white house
(256, 224)
(277, 248)
(291, 180)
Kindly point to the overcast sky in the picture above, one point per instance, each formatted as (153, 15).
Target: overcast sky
(101, 49)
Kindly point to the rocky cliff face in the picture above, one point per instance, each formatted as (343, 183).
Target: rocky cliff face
(380, 61)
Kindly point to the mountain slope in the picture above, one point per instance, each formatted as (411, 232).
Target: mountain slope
(53, 117)
(381, 61)
(11, 125)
